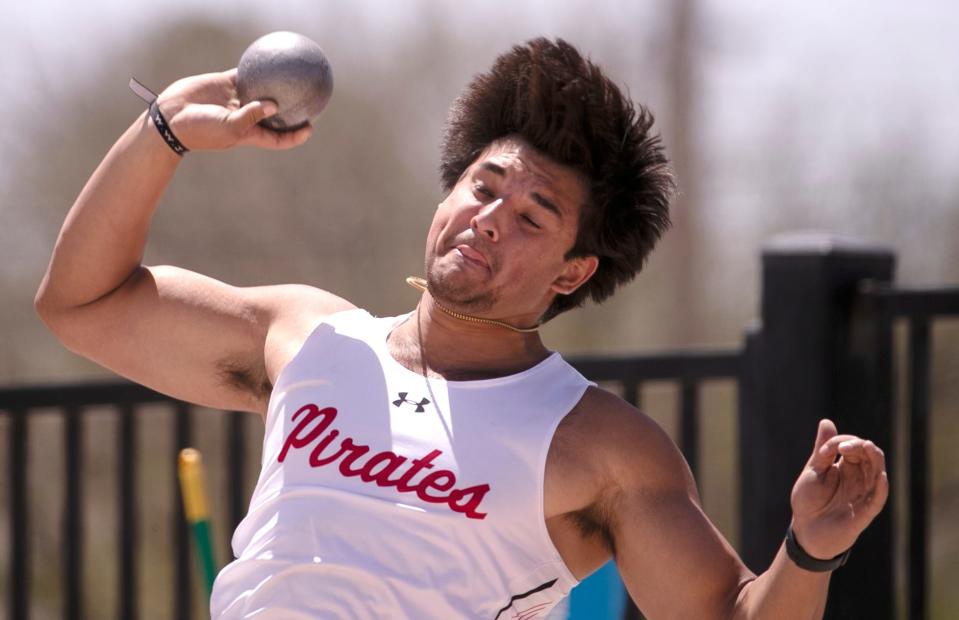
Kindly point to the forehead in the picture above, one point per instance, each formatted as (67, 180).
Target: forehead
(523, 163)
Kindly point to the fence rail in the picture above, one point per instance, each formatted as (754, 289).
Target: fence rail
(688, 368)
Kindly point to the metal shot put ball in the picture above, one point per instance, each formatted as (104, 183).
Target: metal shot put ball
(289, 69)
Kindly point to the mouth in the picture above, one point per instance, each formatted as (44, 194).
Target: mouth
(472, 256)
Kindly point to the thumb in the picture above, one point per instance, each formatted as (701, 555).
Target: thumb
(819, 461)
(252, 113)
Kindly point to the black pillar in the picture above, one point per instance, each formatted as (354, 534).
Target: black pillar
(812, 358)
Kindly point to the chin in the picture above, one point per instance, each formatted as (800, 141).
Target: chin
(457, 292)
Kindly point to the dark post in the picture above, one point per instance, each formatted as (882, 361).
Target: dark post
(73, 514)
(183, 586)
(127, 591)
(919, 353)
(235, 469)
(19, 516)
(808, 362)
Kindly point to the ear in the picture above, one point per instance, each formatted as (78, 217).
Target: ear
(576, 272)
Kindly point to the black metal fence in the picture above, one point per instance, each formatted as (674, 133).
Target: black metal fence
(918, 309)
(688, 369)
(71, 403)
(825, 348)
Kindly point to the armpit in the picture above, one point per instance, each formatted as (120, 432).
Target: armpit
(243, 378)
(592, 522)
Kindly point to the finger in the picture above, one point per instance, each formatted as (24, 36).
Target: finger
(275, 140)
(868, 465)
(245, 118)
(819, 461)
(831, 447)
(826, 431)
(877, 461)
(877, 499)
(853, 450)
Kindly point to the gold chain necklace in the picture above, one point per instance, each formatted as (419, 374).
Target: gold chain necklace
(420, 284)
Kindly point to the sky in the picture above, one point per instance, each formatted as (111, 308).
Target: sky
(860, 70)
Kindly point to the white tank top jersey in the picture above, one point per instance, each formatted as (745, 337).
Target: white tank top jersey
(386, 495)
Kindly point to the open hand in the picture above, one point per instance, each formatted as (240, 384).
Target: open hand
(205, 114)
(834, 499)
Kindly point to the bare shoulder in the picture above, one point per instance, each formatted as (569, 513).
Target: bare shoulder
(294, 302)
(606, 456)
(292, 312)
(623, 446)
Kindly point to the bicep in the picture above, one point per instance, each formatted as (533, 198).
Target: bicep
(673, 560)
(186, 335)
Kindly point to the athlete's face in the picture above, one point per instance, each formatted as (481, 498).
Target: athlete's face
(497, 244)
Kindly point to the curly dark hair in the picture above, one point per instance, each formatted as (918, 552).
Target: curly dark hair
(563, 105)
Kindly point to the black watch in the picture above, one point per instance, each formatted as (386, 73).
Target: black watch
(803, 560)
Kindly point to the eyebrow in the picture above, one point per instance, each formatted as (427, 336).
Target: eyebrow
(539, 198)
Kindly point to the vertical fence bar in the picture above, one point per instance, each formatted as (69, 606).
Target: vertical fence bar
(752, 462)
(235, 467)
(689, 424)
(631, 392)
(73, 514)
(181, 531)
(19, 517)
(127, 591)
(874, 550)
(918, 462)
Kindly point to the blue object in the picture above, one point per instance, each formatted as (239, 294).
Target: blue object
(601, 596)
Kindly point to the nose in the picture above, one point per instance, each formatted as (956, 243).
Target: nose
(484, 222)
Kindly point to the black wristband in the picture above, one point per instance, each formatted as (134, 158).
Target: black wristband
(165, 132)
(158, 121)
(805, 561)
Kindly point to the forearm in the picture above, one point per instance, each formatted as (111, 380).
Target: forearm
(785, 592)
(104, 235)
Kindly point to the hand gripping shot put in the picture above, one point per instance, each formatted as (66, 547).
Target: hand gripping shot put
(443, 463)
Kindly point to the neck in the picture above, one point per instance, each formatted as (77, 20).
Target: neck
(437, 343)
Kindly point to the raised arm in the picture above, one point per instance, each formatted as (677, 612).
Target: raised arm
(178, 332)
(676, 564)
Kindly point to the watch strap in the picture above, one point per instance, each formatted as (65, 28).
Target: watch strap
(805, 561)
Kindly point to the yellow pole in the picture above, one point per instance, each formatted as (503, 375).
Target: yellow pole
(193, 490)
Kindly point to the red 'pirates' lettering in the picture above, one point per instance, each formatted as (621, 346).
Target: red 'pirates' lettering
(313, 431)
(441, 480)
(357, 451)
(315, 460)
(425, 462)
(313, 412)
(393, 461)
(475, 495)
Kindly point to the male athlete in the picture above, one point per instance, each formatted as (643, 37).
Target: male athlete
(443, 464)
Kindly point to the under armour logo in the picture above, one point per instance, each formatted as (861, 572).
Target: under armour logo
(403, 399)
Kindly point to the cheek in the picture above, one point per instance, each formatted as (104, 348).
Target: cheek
(447, 223)
(440, 219)
(439, 233)
(548, 264)
(533, 263)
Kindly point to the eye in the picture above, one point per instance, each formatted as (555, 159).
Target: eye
(479, 188)
(530, 221)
